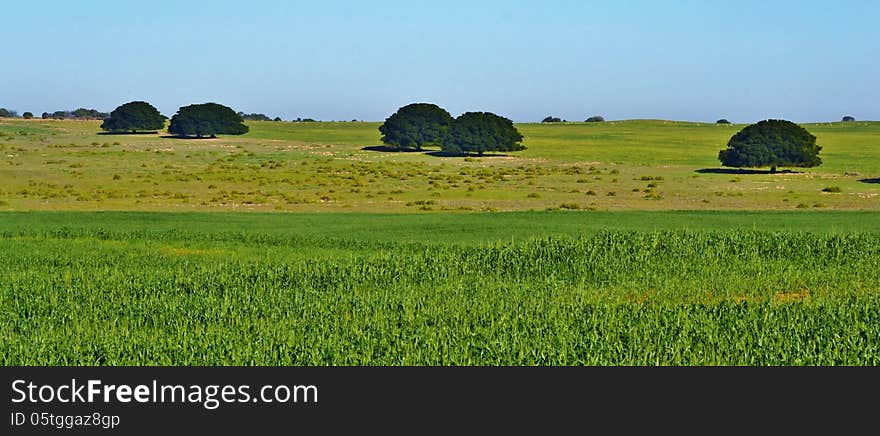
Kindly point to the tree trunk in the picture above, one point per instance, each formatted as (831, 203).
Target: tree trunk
(480, 153)
(773, 170)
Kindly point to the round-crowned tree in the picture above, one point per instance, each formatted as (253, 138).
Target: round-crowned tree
(722, 121)
(551, 119)
(479, 132)
(416, 125)
(207, 119)
(27, 115)
(595, 119)
(848, 119)
(773, 143)
(134, 116)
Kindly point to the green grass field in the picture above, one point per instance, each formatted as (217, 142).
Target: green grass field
(627, 165)
(362, 289)
(145, 250)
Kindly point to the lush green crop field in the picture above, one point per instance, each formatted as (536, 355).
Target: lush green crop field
(627, 165)
(426, 289)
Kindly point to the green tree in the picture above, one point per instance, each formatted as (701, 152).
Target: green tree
(416, 125)
(551, 119)
(773, 143)
(479, 132)
(207, 119)
(848, 119)
(27, 115)
(595, 119)
(89, 114)
(254, 117)
(6, 113)
(134, 116)
(722, 121)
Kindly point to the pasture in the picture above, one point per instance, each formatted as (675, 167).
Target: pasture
(329, 167)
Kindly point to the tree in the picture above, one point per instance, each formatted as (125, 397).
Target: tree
(722, 121)
(595, 119)
(277, 119)
(89, 114)
(771, 143)
(551, 120)
(207, 119)
(134, 116)
(416, 125)
(480, 132)
(848, 119)
(254, 117)
(45, 115)
(27, 115)
(7, 113)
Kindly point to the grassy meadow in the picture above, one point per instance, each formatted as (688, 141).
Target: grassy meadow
(313, 167)
(618, 243)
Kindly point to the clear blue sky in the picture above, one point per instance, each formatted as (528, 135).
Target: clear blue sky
(340, 60)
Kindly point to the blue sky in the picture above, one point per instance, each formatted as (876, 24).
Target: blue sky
(332, 60)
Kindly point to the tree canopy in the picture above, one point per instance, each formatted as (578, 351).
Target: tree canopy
(722, 121)
(552, 120)
(479, 132)
(771, 143)
(848, 119)
(416, 125)
(27, 115)
(254, 117)
(7, 113)
(207, 119)
(134, 116)
(87, 114)
(595, 119)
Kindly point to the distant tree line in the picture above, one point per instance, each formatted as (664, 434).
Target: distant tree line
(77, 114)
(8, 113)
(552, 119)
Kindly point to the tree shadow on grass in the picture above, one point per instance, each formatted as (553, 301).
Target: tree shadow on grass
(387, 149)
(187, 137)
(129, 133)
(450, 154)
(435, 153)
(876, 181)
(741, 171)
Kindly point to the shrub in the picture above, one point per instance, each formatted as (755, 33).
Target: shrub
(722, 121)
